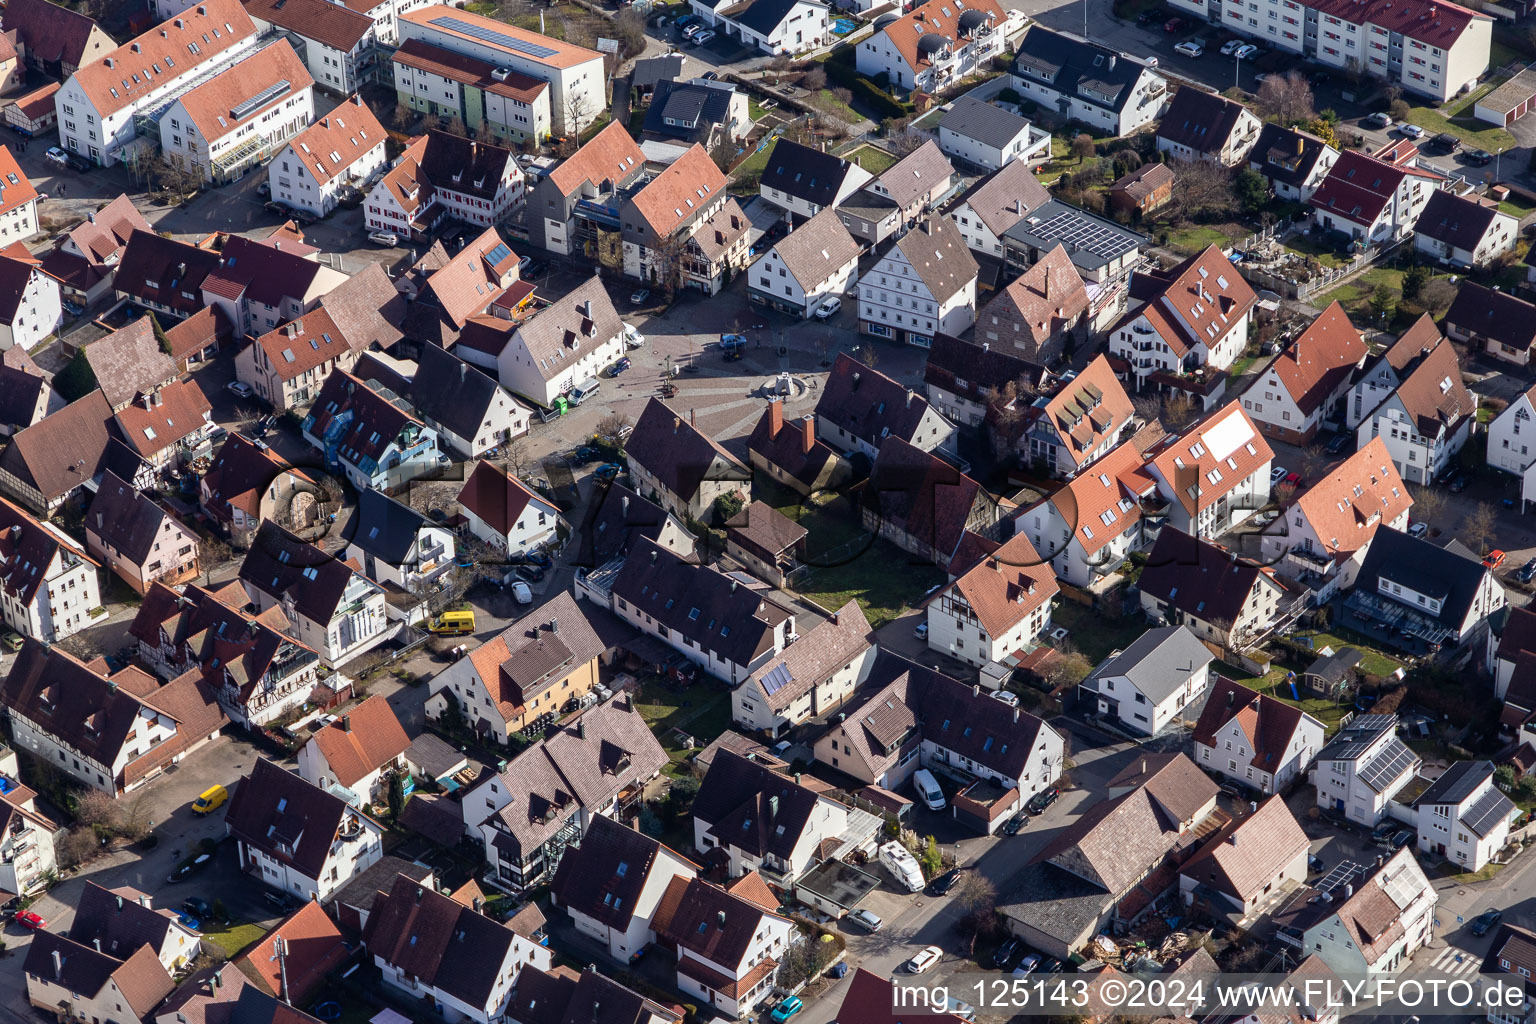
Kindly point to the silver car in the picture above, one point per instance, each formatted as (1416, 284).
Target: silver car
(867, 919)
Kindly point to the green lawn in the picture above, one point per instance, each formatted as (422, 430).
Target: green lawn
(1197, 238)
(1273, 683)
(1240, 366)
(1095, 636)
(703, 711)
(757, 161)
(829, 103)
(754, 109)
(1373, 661)
(885, 580)
(1456, 117)
(875, 161)
(234, 938)
(1517, 207)
(1307, 247)
(1356, 293)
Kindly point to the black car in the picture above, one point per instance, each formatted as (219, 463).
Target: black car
(530, 572)
(1478, 157)
(1458, 484)
(941, 885)
(585, 454)
(1151, 17)
(1526, 572)
(1338, 444)
(1050, 965)
(280, 900)
(1401, 840)
(1445, 142)
(1381, 833)
(1012, 825)
(1006, 952)
(1482, 923)
(534, 268)
(197, 907)
(1040, 801)
(80, 163)
(189, 868)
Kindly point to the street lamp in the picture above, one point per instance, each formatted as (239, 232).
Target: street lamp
(1496, 155)
(1237, 68)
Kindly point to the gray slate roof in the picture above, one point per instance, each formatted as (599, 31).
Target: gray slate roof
(987, 124)
(385, 528)
(583, 317)
(937, 251)
(1158, 662)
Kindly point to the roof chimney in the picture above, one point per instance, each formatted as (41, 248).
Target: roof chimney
(775, 417)
(581, 728)
(1015, 716)
(554, 625)
(624, 504)
(677, 423)
(693, 420)
(807, 434)
(721, 918)
(475, 904)
(976, 690)
(346, 723)
(58, 964)
(97, 943)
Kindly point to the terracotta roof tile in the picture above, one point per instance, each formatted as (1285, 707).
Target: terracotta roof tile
(609, 156)
(178, 410)
(1321, 360)
(1112, 486)
(1007, 586)
(1089, 409)
(15, 188)
(1217, 444)
(675, 196)
(937, 18)
(1043, 301)
(362, 740)
(314, 949)
(319, 20)
(1354, 498)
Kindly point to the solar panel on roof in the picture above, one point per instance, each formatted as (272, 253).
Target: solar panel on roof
(1390, 764)
(776, 679)
(490, 35)
(1341, 873)
(260, 100)
(498, 254)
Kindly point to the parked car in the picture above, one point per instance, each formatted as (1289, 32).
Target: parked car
(1445, 142)
(1246, 52)
(1495, 558)
(197, 907)
(12, 640)
(56, 156)
(264, 189)
(1458, 484)
(1294, 479)
(1377, 120)
(1484, 922)
(1027, 965)
(388, 239)
(1012, 826)
(1277, 474)
(278, 899)
(1418, 529)
(921, 631)
(632, 337)
(1231, 46)
(692, 29)
(703, 38)
(1189, 48)
(787, 1009)
(239, 387)
(829, 309)
(924, 960)
(584, 454)
(1006, 952)
(1402, 839)
(530, 572)
(941, 885)
(1338, 444)
(31, 920)
(79, 163)
(1411, 131)
(1151, 17)
(521, 594)
(1173, 24)
(640, 297)
(189, 868)
(608, 471)
(1381, 833)
(1478, 157)
(867, 919)
(619, 367)
(1526, 572)
(1007, 697)
(1043, 799)
(534, 268)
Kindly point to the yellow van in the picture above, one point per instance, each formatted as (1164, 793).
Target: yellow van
(212, 799)
(454, 624)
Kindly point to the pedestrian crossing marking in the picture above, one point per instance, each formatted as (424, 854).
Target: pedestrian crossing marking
(1446, 961)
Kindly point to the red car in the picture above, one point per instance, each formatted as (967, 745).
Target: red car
(1495, 559)
(1294, 479)
(31, 920)
(1173, 24)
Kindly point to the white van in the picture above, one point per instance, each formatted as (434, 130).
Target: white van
(585, 390)
(928, 789)
(898, 860)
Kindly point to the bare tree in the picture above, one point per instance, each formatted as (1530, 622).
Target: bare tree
(1083, 146)
(175, 172)
(1478, 525)
(456, 126)
(906, 140)
(1286, 98)
(815, 79)
(1069, 669)
(79, 845)
(667, 258)
(977, 898)
(97, 810)
(212, 552)
(613, 427)
(1204, 187)
(404, 116)
(1428, 504)
(517, 455)
(629, 28)
(135, 821)
(610, 249)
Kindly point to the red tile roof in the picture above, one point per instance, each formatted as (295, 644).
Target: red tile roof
(676, 195)
(1321, 360)
(937, 18)
(611, 155)
(15, 188)
(340, 138)
(1218, 444)
(362, 740)
(1435, 22)
(1354, 498)
(495, 497)
(1112, 486)
(177, 410)
(1006, 586)
(314, 949)
(211, 105)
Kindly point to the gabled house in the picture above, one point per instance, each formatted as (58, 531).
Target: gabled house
(1374, 198)
(50, 461)
(934, 46)
(1077, 882)
(119, 922)
(814, 262)
(803, 181)
(257, 672)
(1147, 188)
(174, 425)
(504, 513)
(343, 148)
(298, 838)
(528, 673)
(331, 608)
(247, 484)
(24, 399)
(1088, 527)
(1509, 441)
(28, 860)
(373, 440)
(1294, 162)
(434, 948)
(1435, 596)
(1215, 474)
(18, 201)
(679, 466)
(555, 997)
(1306, 385)
(1039, 312)
(111, 733)
(995, 203)
(719, 623)
(31, 305)
(592, 765)
(129, 365)
(984, 135)
(860, 408)
(1195, 316)
(357, 752)
(1413, 397)
(809, 678)
(682, 229)
(482, 280)
(581, 195)
(1371, 923)
(513, 107)
(1494, 321)
(728, 946)
(564, 344)
(995, 612)
(1464, 817)
(612, 883)
(396, 545)
(286, 366)
(1362, 768)
(871, 999)
(792, 454)
(1092, 83)
(779, 27)
(471, 413)
(66, 975)
(1463, 232)
(616, 519)
(748, 817)
(965, 380)
(85, 260)
(909, 717)
(1200, 125)
(765, 541)
(1223, 598)
(312, 948)
(441, 175)
(48, 583)
(1081, 422)
(259, 285)
(1324, 536)
(137, 538)
(1248, 862)
(922, 504)
(338, 48)
(163, 275)
(1145, 686)
(701, 110)
(923, 285)
(52, 40)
